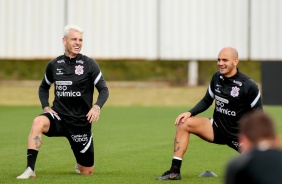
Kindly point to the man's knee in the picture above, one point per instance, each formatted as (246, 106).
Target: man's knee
(199, 126)
(86, 170)
(186, 125)
(195, 125)
(40, 123)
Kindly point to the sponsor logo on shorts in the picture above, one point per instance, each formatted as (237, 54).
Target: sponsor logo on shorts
(237, 144)
(80, 138)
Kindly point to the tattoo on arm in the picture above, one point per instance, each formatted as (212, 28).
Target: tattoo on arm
(37, 141)
(96, 108)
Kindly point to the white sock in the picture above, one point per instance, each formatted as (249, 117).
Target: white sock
(177, 158)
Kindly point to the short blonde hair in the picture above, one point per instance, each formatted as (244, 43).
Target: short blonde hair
(72, 27)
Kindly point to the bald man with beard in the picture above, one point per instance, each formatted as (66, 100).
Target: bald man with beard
(235, 94)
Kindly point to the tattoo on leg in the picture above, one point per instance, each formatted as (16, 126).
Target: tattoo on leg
(175, 150)
(37, 141)
(175, 143)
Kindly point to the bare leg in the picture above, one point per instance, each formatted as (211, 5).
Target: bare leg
(195, 125)
(40, 125)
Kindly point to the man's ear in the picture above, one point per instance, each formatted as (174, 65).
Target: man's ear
(235, 62)
(64, 40)
(277, 141)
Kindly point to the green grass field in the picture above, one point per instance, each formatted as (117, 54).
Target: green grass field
(132, 145)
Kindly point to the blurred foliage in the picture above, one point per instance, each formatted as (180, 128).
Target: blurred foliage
(250, 68)
(22, 69)
(174, 72)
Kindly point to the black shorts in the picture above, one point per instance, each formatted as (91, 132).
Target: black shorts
(220, 138)
(80, 139)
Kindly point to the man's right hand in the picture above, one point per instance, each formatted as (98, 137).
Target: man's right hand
(48, 109)
(182, 117)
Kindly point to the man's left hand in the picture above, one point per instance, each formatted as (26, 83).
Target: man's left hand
(93, 114)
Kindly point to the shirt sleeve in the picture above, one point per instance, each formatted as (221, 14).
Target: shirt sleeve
(100, 84)
(254, 95)
(45, 85)
(205, 103)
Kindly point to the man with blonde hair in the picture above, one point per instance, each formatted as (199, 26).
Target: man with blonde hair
(75, 76)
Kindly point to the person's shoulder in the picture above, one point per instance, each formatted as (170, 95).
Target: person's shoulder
(246, 79)
(59, 59)
(241, 76)
(241, 160)
(276, 151)
(86, 58)
(216, 75)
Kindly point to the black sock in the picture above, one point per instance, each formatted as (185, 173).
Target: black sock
(31, 158)
(176, 165)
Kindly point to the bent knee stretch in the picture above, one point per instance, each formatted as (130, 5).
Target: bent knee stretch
(189, 125)
(40, 124)
(87, 171)
(185, 125)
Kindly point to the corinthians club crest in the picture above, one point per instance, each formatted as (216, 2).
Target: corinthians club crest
(79, 70)
(235, 91)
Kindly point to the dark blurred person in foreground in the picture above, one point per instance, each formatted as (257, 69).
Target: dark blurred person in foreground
(261, 159)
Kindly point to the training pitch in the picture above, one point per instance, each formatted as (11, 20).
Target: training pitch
(133, 144)
(133, 138)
